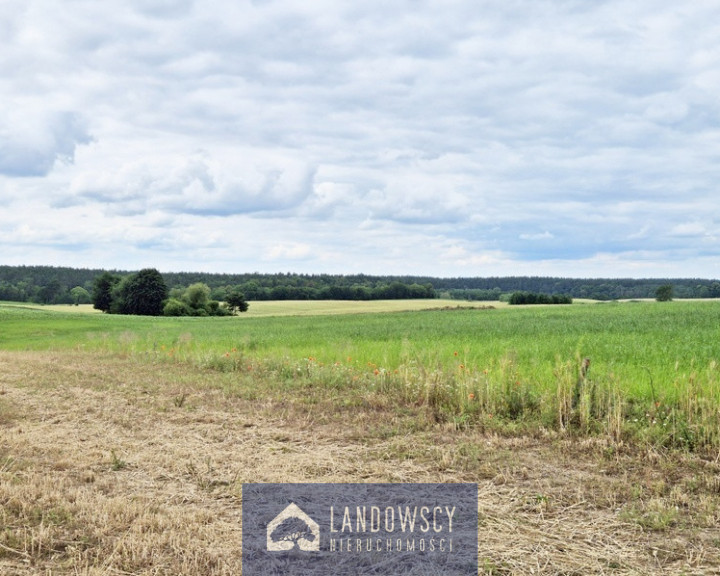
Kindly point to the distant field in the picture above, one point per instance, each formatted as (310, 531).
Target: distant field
(322, 307)
(302, 307)
(80, 309)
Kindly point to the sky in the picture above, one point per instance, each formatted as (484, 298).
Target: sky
(439, 138)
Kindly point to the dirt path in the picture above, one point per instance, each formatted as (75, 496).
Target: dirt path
(109, 466)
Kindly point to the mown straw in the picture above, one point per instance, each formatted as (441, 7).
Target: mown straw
(103, 472)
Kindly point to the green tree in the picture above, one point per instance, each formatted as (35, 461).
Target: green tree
(253, 290)
(214, 308)
(195, 300)
(102, 295)
(235, 302)
(197, 296)
(175, 307)
(79, 294)
(50, 292)
(664, 293)
(143, 293)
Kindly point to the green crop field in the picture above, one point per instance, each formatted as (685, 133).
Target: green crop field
(653, 366)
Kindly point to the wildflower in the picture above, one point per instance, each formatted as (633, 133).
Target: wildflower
(462, 366)
(456, 353)
(227, 354)
(471, 396)
(376, 372)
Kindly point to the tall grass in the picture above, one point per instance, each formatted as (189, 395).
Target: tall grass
(653, 374)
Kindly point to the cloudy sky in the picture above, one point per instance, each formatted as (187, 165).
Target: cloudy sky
(439, 137)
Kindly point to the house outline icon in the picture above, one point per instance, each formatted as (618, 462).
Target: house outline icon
(293, 511)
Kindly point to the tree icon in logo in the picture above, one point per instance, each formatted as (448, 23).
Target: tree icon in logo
(292, 527)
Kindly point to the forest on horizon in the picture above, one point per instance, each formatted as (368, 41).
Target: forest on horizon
(59, 285)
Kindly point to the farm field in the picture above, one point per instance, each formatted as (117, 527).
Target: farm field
(124, 441)
(302, 307)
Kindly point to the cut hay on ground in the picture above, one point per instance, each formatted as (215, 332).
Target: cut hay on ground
(108, 466)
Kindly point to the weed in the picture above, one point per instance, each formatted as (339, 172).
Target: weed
(657, 516)
(205, 479)
(7, 463)
(179, 401)
(116, 463)
(491, 568)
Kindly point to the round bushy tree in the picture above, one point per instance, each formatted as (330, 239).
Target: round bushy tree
(197, 296)
(143, 293)
(175, 307)
(235, 302)
(664, 293)
(79, 294)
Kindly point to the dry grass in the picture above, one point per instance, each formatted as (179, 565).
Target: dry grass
(264, 308)
(108, 466)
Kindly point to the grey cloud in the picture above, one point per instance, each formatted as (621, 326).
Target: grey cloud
(165, 8)
(32, 148)
(266, 189)
(199, 185)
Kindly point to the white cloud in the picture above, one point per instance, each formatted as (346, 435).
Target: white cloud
(293, 251)
(689, 229)
(540, 236)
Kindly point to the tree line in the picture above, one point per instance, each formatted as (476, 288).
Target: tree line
(146, 293)
(535, 298)
(61, 285)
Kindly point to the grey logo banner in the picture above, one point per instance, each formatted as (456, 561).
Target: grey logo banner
(355, 529)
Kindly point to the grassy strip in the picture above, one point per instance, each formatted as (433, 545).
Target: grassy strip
(653, 377)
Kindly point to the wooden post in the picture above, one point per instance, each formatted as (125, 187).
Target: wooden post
(580, 385)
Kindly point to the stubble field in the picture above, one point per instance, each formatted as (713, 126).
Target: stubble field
(124, 442)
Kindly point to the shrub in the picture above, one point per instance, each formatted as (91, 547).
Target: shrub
(664, 293)
(175, 307)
